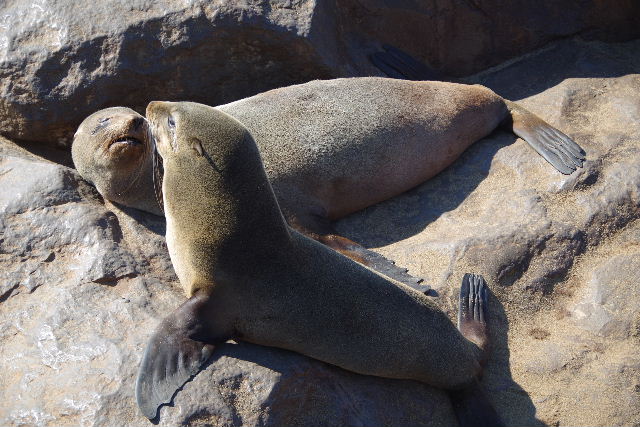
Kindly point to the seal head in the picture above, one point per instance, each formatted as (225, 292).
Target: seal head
(113, 149)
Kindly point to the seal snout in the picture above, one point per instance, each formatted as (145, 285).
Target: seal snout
(162, 123)
(137, 123)
(155, 108)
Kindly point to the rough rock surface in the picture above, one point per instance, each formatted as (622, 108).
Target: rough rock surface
(61, 60)
(83, 284)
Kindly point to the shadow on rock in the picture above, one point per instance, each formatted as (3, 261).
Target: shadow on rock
(511, 401)
(309, 392)
(154, 223)
(552, 65)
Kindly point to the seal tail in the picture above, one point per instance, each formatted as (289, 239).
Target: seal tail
(556, 147)
(470, 404)
(173, 356)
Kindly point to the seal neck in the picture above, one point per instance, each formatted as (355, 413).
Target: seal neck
(225, 211)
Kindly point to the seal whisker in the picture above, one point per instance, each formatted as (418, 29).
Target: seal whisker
(157, 175)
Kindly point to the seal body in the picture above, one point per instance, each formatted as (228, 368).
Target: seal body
(249, 276)
(336, 146)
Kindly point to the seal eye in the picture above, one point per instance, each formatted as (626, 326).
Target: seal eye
(171, 122)
(101, 123)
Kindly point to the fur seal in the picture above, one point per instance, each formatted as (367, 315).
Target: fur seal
(249, 276)
(333, 147)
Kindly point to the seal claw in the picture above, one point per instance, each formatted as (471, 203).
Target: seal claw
(389, 268)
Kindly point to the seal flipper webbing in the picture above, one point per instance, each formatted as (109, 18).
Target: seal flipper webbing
(174, 355)
(470, 404)
(556, 147)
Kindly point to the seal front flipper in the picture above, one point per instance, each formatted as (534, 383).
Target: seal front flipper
(176, 352)
(556, 147)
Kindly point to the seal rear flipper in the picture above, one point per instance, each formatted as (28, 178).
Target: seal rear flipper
(470, 404)
(400, 65)
(472, 313)
(556, 147)
(373, 260)
(172, 357)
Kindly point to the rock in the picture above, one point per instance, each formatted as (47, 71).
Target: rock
(63, 60)
(560, 254)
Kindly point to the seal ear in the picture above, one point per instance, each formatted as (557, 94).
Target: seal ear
(197, 146)
(172, 357)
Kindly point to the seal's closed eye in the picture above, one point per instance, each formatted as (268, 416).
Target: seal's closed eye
(101, 124)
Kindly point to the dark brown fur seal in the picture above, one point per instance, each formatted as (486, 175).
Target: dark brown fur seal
(251, 277)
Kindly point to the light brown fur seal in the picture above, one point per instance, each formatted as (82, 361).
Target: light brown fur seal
(333, 147)
(251, 277)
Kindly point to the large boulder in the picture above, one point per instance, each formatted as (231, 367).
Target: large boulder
(463, 37)
(61, 60)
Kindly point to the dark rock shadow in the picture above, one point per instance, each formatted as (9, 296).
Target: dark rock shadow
(154, 223)
(410, 213)
(57, 154)
(511, 401)
(546, 68)
(310, 392)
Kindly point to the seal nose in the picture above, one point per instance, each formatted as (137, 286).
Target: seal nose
(136, 123)
(155, 107)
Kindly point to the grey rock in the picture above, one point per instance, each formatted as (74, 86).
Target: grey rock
(61, 60)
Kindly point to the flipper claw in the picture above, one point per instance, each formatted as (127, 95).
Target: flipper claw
(472, 314)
